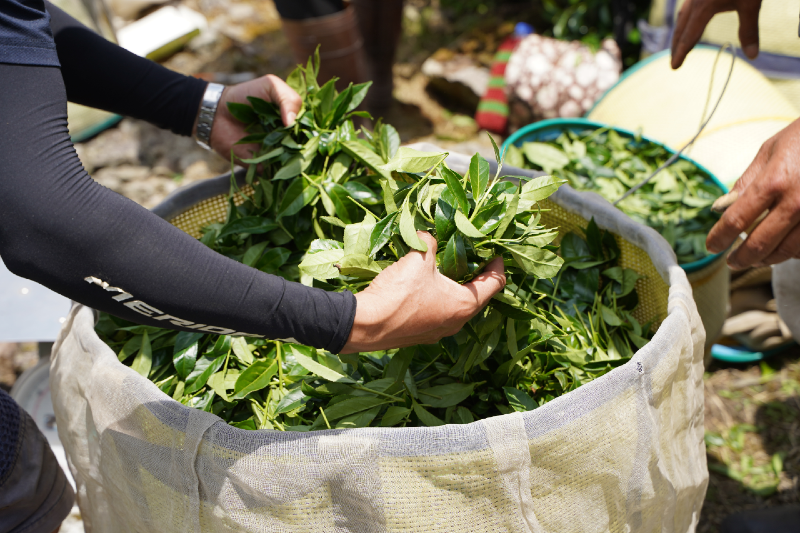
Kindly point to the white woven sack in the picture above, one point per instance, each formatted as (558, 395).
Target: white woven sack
(623, 453)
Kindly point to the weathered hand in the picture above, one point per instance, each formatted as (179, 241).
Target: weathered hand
(695, 16)
(411, 303)
(772, 181)
(227, 131)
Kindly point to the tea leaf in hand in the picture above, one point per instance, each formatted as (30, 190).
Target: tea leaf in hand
(465, 226)
(408, 231)
(478, 175)
(537, 261)
(453, 263)
(454, 185)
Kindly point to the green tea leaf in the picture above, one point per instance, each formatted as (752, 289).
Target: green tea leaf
(548, 158)
(453, 182)
(360, 266)
(242, 352)
(408, 231)
(298, 195)
(609, 316)
(478, 175)
(256, 377)
(381, 233)
(144, 359)
(249, 225)
(536, 261)
(352, 406)
(217, 384)
(185, 353)
(340, 198)
(444, 220)
(453, 263)
(132, 346)
(360, 420)
(290, 402)
(357, 236)
(508, 216)
(518, 400)
(426, 417)
(320, 265)
(291, 169)
(537, 190)
(242, 112)
(462, 415)
(465, 226)
(253, 254)
(394, 415)
(318, 369)
(277, 152)
(361, 153)
(412, 161)
(388, 195)
(390, 140)
(203, 370)
(359, 93)
(446, 395)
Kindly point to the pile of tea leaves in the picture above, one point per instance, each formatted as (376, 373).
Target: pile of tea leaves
(347, 207)
(676, 202)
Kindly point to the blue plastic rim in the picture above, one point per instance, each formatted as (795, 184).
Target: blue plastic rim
(739, 354)
(549, 130)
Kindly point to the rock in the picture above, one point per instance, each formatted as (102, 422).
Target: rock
(130, 9)
(199, 170)
(458, 79)
(113, 147)
(116, 177)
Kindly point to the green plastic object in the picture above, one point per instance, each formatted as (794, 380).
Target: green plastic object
(549, 130)
(740, 354)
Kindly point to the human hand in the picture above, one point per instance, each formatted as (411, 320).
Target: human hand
(411, 303)
(695, 16)
(772, 181)
(227, 131)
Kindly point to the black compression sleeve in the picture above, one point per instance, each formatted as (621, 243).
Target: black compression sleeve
(59, 227)
(98, 73)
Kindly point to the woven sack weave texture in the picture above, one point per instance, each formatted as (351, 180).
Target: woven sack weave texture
(622, 453)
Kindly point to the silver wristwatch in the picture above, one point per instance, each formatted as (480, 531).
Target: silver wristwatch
(208, 108)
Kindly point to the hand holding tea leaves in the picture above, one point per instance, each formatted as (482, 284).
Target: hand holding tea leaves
(411, 303)
(227, 130)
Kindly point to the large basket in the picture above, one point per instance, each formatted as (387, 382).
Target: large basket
(622, 453)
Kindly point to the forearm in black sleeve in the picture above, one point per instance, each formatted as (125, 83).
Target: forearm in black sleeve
(98, 73)
(62, 229)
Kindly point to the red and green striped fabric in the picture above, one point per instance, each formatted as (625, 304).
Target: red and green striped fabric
(492, 114)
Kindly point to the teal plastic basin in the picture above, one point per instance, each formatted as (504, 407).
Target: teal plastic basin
(549, 130)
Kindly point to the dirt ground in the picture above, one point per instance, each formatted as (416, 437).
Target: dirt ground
(752, 421)
(752, 411)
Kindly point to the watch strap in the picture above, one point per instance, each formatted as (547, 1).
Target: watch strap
(208, 109)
